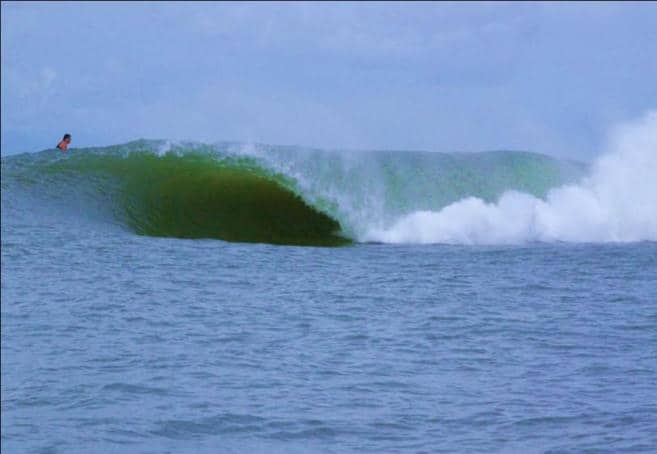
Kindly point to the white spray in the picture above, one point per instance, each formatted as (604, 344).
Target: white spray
(617, 202)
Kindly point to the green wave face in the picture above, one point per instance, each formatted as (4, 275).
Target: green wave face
(269, 194)
(197, 196)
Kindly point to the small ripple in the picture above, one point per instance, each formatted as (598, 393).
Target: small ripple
(214, 425)
(136, 389)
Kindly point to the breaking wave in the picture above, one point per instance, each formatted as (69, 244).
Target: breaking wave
(292, 195)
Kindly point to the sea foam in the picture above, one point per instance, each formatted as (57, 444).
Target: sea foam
(616, 202)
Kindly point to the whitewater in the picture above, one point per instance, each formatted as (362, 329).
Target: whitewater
(616, 201)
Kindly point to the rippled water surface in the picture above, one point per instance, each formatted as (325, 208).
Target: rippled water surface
(114, 342)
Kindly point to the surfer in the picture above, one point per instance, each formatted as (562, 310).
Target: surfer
(63, 144)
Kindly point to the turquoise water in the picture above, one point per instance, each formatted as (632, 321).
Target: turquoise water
(116, 338)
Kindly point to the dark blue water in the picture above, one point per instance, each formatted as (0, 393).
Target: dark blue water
(114, 342)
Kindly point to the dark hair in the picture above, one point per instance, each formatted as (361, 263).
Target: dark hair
(66, 136)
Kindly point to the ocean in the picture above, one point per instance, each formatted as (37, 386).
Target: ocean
(163, 296)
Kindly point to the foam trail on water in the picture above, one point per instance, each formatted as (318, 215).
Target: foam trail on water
(617, 202)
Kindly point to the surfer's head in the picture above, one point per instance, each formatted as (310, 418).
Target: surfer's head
(63, 144)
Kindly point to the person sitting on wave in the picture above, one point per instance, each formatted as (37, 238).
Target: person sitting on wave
(63, 144)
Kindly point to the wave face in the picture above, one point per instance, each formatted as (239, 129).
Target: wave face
(190, 193)
(283, 195)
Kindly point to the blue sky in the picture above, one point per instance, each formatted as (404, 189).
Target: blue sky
(551, 78)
